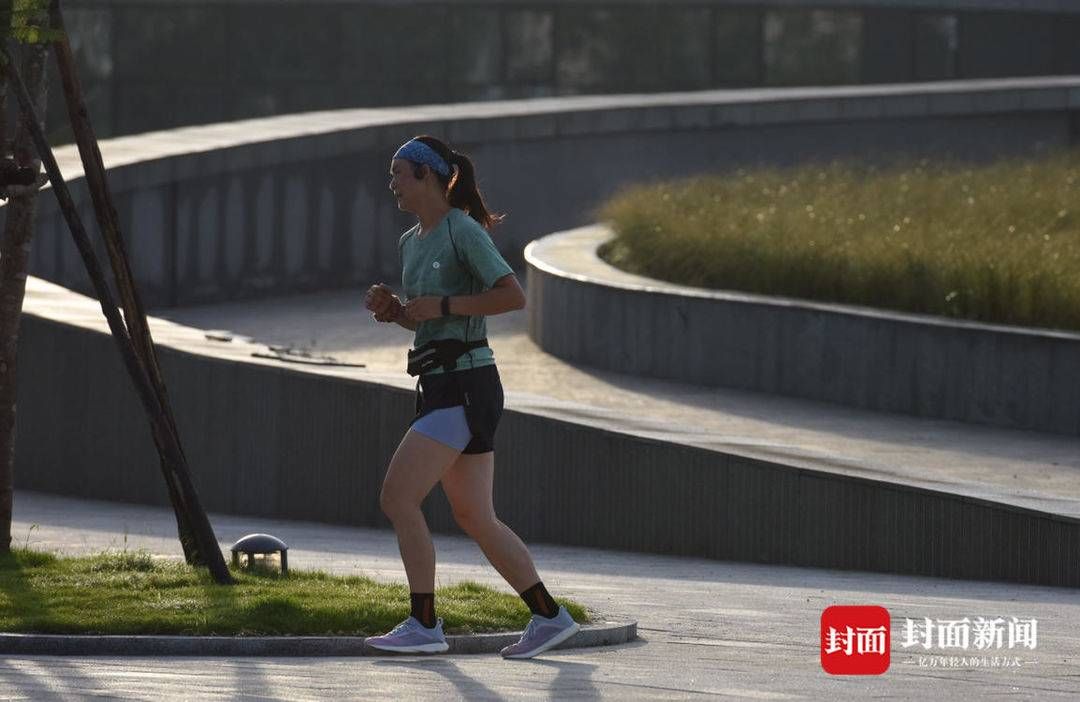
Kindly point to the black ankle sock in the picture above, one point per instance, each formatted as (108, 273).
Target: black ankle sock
(423, 607)
(540, 601)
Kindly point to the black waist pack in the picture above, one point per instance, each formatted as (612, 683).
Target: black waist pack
(440, 353)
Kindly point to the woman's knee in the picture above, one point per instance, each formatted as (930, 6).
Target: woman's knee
(475, 522)
(395, 505)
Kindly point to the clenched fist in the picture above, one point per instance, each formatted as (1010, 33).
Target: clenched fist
(383, 303)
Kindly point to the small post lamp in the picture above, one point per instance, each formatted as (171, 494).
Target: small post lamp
(263, 549)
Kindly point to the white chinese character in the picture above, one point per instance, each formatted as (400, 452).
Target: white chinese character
(838, 641)
(988, 633)
(926, 634)
(954, 633)
(1022, 632)
(870, 640)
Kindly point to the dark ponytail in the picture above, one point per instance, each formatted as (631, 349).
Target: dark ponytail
(463, 192)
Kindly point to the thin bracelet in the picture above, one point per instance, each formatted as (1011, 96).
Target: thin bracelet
(445, 306)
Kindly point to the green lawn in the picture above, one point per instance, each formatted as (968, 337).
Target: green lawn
(134, 593)
(998, 243)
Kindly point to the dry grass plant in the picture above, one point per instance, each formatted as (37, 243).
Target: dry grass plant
(998, 243)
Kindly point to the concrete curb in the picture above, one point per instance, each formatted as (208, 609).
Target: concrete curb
(921, 365)
(604, 634)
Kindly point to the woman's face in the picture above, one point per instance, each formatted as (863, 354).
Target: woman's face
(404, 184)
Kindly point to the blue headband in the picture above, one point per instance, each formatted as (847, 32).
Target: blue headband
(420, 153)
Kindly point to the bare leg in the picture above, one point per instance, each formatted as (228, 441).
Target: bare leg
(468, 485)
(417, 465)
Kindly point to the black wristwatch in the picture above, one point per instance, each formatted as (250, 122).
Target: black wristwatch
(445, 306)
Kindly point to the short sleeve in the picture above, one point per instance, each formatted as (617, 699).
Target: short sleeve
(480, 255)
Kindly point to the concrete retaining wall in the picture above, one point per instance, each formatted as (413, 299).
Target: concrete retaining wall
(587, 312)
(301, 202)
(149, 65)
(292, 443)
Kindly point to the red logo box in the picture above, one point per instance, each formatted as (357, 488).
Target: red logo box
(855, 640)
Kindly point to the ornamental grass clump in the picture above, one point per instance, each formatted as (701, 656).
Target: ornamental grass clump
(998, 243)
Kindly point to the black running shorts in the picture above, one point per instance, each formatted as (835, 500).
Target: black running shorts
(479, 390)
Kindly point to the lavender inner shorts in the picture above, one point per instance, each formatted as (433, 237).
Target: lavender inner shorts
(447, 426)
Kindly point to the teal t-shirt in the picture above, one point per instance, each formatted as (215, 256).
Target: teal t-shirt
(429, 266)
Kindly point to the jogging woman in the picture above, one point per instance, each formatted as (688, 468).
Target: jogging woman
(453, 277)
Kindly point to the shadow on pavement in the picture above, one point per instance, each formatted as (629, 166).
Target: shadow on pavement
(59, 679)
(250, 681)
(572, 680)
(469, 688)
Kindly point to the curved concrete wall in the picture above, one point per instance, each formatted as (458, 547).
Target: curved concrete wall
(285, 203)
(296, 442)
(149, 65)
(585, 311)
(301, 202)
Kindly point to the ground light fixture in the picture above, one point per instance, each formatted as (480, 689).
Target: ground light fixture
(261, 551)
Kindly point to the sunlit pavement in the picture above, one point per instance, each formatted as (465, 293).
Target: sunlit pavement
(707, 628)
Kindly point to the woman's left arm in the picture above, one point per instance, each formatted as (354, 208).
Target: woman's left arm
(505, 296)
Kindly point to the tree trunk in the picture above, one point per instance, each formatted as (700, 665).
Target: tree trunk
(20, 213)
(176, 464)
(7, 473)
(109, 225)
(4, 151)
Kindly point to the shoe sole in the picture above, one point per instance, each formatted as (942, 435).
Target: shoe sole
(550, 643)
(420, 648)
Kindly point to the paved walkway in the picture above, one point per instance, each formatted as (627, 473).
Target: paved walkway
(1034, 470)
(708, 629)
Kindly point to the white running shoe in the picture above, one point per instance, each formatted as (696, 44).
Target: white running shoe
(542, 634)
(410, 636)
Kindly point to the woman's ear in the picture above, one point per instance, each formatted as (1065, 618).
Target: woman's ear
(419, 172)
